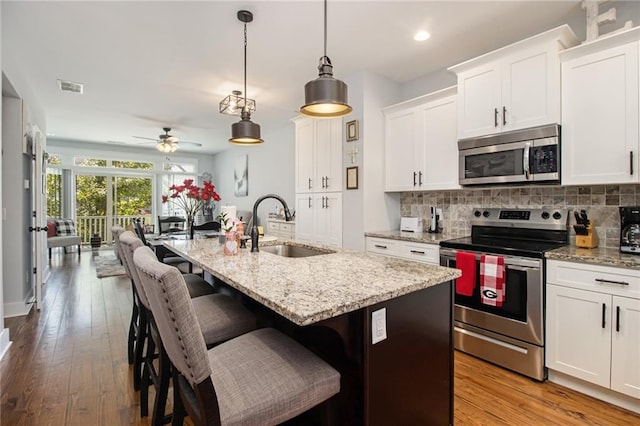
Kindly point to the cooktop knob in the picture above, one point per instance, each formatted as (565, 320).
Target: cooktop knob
(557, 215)
(477, 213)
(485, 213)
(545, 215)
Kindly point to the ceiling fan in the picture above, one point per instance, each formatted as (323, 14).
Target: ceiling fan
(168, 143)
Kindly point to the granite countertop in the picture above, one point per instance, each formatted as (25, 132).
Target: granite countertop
(424, 237)
(310, 289)
(597, 256)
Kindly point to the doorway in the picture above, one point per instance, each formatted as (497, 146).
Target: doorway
(102, 201)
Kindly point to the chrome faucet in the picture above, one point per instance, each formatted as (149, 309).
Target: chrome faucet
(254, 228)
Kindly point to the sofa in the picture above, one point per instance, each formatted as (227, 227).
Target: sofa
(62, 233)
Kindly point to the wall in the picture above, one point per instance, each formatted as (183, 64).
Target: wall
(600, 202)
(271, 171)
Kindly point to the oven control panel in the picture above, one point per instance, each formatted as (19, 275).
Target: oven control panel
(538, 218)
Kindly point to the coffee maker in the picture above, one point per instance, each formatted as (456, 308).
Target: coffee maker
(435, 218)
(630, 229)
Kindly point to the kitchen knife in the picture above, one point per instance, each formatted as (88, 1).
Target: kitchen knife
(585, 219)
(578, 218)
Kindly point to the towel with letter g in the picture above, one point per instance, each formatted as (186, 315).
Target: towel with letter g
(492, 290)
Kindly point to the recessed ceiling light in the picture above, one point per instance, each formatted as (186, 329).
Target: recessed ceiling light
(421, 36)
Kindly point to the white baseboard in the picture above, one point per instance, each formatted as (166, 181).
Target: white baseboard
(17, 309)
(4, 342)
(595, 391)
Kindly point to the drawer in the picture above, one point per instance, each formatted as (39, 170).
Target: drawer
(287, 228)
(382, 246)
(427, 253)
(603, 279)
(273, 227)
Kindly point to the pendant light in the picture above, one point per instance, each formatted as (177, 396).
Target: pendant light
(245, 132)
(325, 97)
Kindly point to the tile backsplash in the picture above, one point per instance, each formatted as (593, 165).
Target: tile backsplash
(601, 203)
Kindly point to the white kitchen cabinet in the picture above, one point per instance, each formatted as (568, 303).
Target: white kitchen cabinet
(319, 218)
(593, 324)
(281, 229)
(318, 155)
(515, 87)
(600, 111)
(408, 250)
(421, 143)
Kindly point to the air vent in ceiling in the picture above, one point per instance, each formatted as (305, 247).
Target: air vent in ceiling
(70, 86)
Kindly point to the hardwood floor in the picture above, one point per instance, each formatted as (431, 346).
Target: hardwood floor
(68, 366)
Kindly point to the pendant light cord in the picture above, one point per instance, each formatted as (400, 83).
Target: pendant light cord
(325, 28)
(245, 67)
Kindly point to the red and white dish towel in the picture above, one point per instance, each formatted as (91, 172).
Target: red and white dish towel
(492, 288)
(466, 262)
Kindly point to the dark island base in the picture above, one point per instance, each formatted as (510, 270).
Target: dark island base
(406, 379)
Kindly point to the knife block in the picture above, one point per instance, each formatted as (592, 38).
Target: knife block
(590, 240)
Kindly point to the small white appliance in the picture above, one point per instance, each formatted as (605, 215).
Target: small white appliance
(411, 224)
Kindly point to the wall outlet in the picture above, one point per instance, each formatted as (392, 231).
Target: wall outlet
(378, 326)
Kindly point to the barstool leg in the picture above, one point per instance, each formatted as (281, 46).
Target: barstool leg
(164, 365)
(146, 375)
(132, 330)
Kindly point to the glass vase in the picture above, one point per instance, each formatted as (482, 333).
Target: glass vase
(230, 244)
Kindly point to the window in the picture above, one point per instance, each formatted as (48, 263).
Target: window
(132, 165)
(179, 167)
(89, 162)
(169, 208)
(54, 192)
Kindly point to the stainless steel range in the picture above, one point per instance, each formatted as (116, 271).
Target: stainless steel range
(509, 333)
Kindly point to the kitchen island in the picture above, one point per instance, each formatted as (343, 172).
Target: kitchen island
(338, 304)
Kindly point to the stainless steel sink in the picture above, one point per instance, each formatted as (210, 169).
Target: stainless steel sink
(286, 250)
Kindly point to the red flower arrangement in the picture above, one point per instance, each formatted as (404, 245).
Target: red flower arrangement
(191, 198)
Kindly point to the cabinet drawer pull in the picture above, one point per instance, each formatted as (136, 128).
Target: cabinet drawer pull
(504, 115)
(603, 281)
(417, 252)
(618, 318)
(380, 246)
(495, 117)
(604, 310)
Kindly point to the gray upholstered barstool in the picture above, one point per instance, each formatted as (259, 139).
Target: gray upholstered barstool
(220, 318)
(259, 378)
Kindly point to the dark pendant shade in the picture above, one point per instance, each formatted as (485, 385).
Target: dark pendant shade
(245, 132)
(325, 97)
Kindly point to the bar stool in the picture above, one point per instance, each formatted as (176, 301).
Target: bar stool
(260, 378)
(219, 317)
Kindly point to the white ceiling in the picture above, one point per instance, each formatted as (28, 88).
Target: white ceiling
(146, 65)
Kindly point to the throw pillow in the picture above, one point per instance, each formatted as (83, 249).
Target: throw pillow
(51, 228)
(65, 227)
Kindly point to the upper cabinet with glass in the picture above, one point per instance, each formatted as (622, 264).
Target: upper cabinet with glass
(515, 87)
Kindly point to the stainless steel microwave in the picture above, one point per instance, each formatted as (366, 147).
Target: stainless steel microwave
(521, 156)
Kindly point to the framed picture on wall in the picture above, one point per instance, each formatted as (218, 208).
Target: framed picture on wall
(352, 130)
(352, 177)
(241, 176)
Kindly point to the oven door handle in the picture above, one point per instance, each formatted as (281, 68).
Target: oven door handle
(525, 160)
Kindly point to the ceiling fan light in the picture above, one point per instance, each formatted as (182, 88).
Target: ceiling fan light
(245, 132)
(166, 147)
